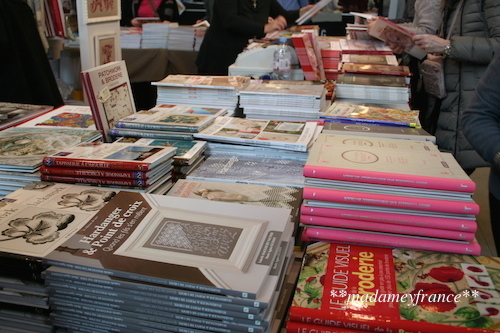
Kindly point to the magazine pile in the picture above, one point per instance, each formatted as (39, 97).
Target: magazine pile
(130, 261)
(167, 121)
(218, 91)
(276, 99)
(388, 192)
(122, 165)
(355, 288)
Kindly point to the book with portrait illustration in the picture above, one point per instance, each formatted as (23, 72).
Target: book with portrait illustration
(391, 32)
(342, 286)
(182, 118)
(109, 93)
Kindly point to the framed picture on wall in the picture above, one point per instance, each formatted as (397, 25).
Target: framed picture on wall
(102, 10)
(105, 49)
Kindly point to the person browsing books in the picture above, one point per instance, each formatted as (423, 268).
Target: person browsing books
(165, 10)
(481, 126)
(233, 23)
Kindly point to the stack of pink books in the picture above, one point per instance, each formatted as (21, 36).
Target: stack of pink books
(388, 192)
(330, 55)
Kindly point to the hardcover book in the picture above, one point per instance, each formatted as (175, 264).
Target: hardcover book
(389, 290)
(377, 69)
(432, 170)
(23, 149)
(12, 114)
(373, 130)
(246, 194)
(370, 59)
(213, 247)
(150, 134)
(391, 32)
(364, 46)
(115, 156)
(250, 170)
(286, 135)
(368, 114)
(182, 118)
(108, 90)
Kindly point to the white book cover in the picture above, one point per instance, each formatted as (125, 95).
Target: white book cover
(118, 156)
(260, 132)
(109, 93)
(74, 116)
(214, 247)
(204, 81)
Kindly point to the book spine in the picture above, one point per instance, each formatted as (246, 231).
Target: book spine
(117, 132)
(92, 173)
(296, 327)
(384, 227)
(367, 121)
(126, 124)
(278, 145)
(150, 279)
(393, 201)
(95, 181)
(409, 219)
(392, 241)
(385, 178)
(54, 161)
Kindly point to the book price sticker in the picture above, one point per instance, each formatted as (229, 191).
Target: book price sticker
(104, 94)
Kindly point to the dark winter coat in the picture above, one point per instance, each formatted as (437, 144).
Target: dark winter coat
(233, 23)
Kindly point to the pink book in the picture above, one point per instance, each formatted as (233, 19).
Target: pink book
(389, 200)
(388, 240)
(399, 218)
(384, 227)
(397, 167)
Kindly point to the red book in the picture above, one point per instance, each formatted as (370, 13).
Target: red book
(457, 222)
(349, 236)
(330, 47)
(306, 55)
(100, 173)
(96, 180)
(389, 290)
(385, 227)
(376, 69)
(389, 200)
(295, 327)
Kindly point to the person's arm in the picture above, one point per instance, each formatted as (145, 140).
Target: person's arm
(481, 119)
(428, 17)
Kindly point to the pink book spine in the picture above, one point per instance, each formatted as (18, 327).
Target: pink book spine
(391, 241)
(384, 227)
(385, 178)
(393, 218)
(389, 200)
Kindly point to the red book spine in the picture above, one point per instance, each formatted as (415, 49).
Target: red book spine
(393, 201)
(95, 181)
(445, 223)
(391, 241)
(384, 227)
(54, 161)
(385, 178)
(296, 327)
(75, 172)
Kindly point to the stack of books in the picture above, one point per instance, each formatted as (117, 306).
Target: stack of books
(12, 114)
(330, 56)
(219, 148)
(184, 38)
(379, 59)
(188, 156)
(146, 262)
(22, 150)
(218, 91)
(388, 192)
(360, 46)
(354, 288)
(374, 114)
(373, 88)
(374, 69)
(173, 121)
(308, 58)
(155, 35)
(131, 37)
(120, 165)
(275, 99)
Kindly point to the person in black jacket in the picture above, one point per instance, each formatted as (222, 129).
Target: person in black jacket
(233, 23)
(166, 10)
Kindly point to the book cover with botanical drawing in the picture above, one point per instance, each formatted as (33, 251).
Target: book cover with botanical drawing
(390, 290)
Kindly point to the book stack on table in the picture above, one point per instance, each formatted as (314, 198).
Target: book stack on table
(355, 288)
(121, 165)
(218, 91)
(167, 121)
(330, 55)
(276, 99)
(388, 192)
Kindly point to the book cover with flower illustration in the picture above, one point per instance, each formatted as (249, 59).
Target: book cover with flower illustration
(390, 290)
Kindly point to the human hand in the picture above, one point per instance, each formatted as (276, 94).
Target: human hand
(430, 43)
(135, 22)
(304, 9)
(278, 24)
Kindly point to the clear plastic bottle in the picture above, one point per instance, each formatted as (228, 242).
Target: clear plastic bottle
(282, 61)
